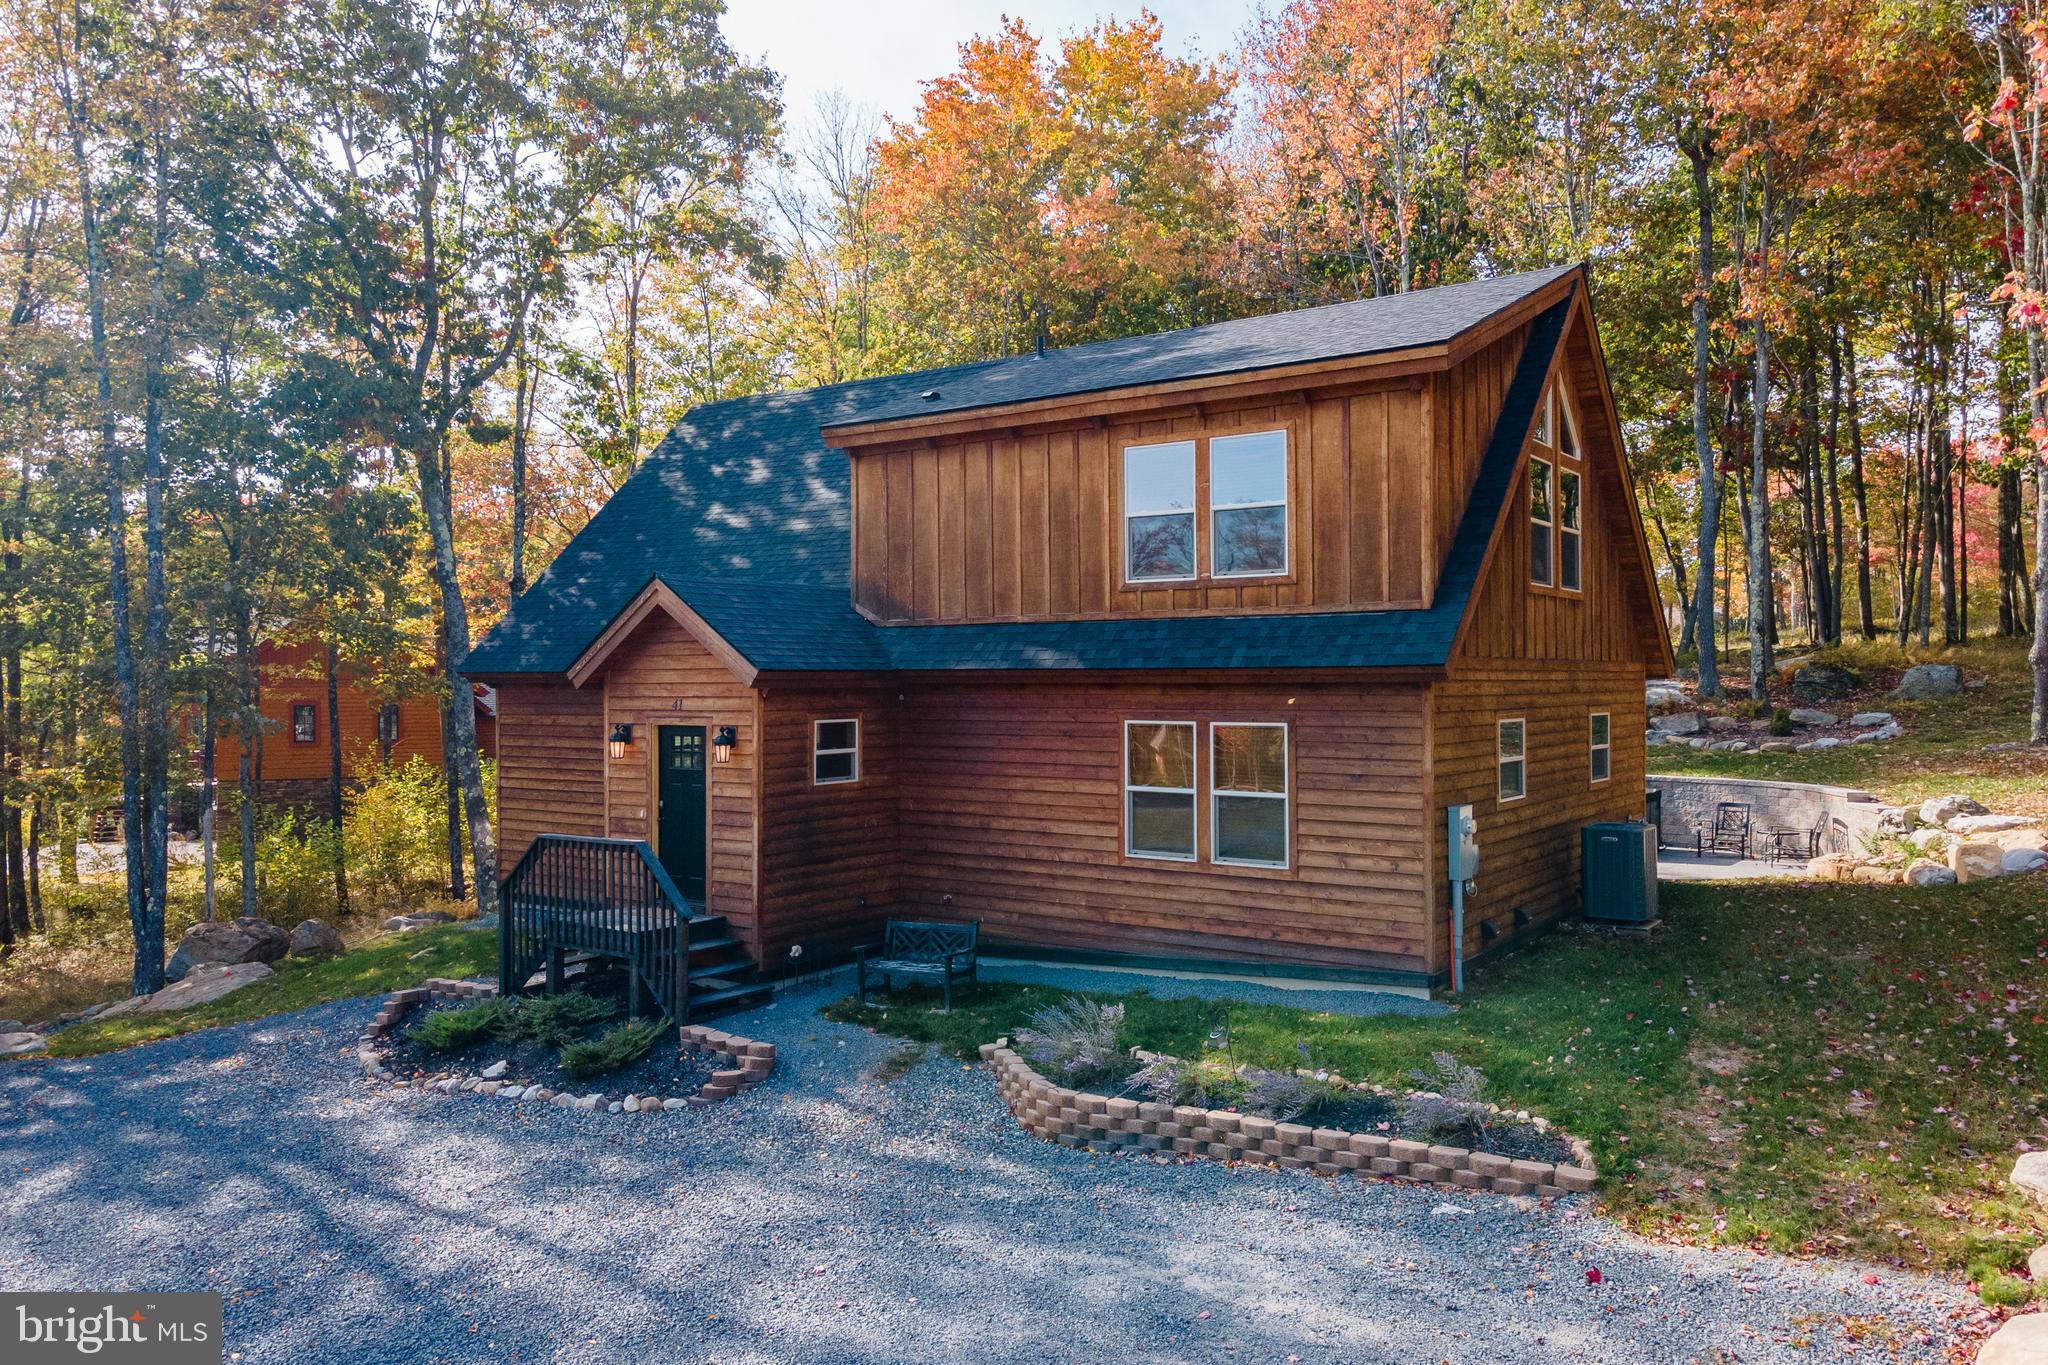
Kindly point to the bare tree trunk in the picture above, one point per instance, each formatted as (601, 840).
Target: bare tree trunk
(1700, 151)
(335, 803)
(521, 408)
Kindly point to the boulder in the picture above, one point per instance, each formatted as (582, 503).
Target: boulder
(199, 986)
(1889, 730)
(1923, 681)
(1939, 810)
(12, 1026)
(2037, 1265)
(1806, 715)
(1814, 746)
(1824, 682)
(1831, 867)
(1730, 746)
(1664, 697)
(18, 1043)
(1924, 839)
(1896, 819)
(2025, 860)
(2010, 839)
(1723, 724)
(1776, 746)
(419, 919)
(1876, 874)
(1971, 826)
(1974, 861)
(1698, 742)
(2030, 1176)
(1678, 723)
(1864, 720)
(1926, 872)
(225, 942)
(314, 938)
(2022, 1341)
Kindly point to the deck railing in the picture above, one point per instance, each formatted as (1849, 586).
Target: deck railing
(573, 893)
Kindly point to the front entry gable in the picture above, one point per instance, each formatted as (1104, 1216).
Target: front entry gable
(657, 599)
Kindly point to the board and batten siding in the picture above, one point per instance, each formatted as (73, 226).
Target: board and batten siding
(1012, 813)
(550, 765)
(1008, 526)
(829, 853)
(662, 676)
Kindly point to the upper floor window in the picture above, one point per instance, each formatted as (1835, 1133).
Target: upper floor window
(1248, 504)
(1568, 529)
(1541, 521)
(1236, 484)
(1159, 511)
(302, 722)
(387, 724)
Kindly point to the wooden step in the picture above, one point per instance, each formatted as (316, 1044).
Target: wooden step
(713, 945)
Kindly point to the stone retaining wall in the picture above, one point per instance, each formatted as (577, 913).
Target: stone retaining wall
(1689, 802)
(748, 1061)
(1104, 1123)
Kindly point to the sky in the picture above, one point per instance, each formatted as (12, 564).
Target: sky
(878, 52)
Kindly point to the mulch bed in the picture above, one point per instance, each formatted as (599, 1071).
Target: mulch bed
(1363, 1112)
(667, 1069)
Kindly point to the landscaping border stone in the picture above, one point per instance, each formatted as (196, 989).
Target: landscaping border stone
(747, 1061)
(1103, 1123)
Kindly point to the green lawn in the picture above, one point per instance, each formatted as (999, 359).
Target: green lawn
(1942, 750)
(387, 963)
(1834, 1069)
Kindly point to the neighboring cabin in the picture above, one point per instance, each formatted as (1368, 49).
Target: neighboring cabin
(293, 757)
(1168, 650)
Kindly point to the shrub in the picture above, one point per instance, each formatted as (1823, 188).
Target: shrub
(459, 1029)
(613, 1050)
(1781, 722)
(1282, 1095)
(1749, 708)
(1171, 1080)
(1456, 1111)
(557, 1020)
(1078, 1041)
(294, 869)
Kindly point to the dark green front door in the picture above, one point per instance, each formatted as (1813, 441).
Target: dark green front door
(679, 777)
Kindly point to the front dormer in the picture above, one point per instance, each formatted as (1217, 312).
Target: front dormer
(1328, 488)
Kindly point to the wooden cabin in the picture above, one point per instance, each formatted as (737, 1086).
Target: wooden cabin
(293, 758)
(1166, 651)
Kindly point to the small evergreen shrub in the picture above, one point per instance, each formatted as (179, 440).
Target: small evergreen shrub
(456, 1030)
(1781, 722)
(613, 1050)
(557, 1020)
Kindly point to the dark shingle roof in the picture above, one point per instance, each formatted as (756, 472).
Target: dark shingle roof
(743, 512)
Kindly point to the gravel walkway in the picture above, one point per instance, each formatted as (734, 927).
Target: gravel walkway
(828, 1216)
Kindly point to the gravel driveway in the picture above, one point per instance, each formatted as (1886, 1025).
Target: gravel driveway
(828, 1216)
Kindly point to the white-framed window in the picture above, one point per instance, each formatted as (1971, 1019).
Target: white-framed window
(304, 728)
(1568, 482)
(1159, 512)
(1567, 430)
(1248, 504)
(1600, 751)
(835, 752)
(1542, 520)
(1159, 789)
(1542, 433)
(1248, 794)
(387, 724)
(1511, 753)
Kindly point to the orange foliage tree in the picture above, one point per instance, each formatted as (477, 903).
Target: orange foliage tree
(1077, 195)
(1341, 92)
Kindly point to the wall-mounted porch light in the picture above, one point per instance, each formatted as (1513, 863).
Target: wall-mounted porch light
(722, 747)
(621, 740)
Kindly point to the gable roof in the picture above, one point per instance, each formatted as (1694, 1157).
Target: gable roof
(743, 513)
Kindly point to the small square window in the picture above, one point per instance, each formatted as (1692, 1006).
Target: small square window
(1510, 747)
(835, 752)
(302, 722)
(1602, 752)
